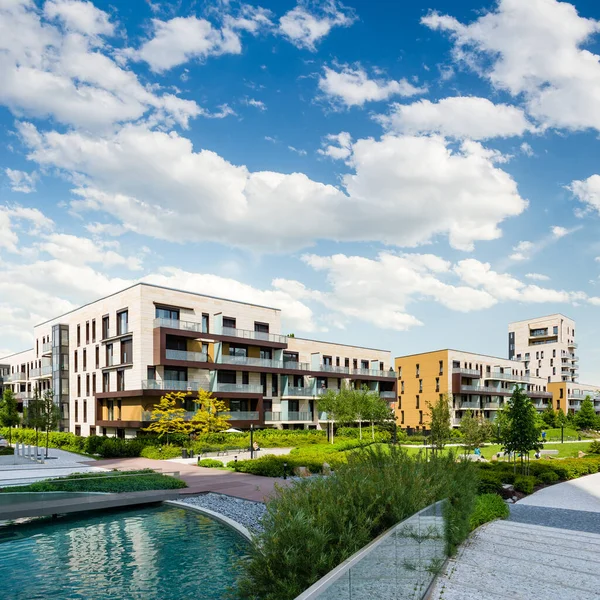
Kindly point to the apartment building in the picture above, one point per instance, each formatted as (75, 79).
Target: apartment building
(547, 347)
(108, 362)
(569, 396)
(471, 381)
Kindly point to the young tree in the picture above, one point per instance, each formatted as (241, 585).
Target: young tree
(335, 404)
(522, 434)
(475, 430)
(34, 415)
(50, 415)
(440, 424)
(378, 412)
(167, 418)
(9, 413)
(586, 417)
(212, 415)
(561, 418)
(549, 417)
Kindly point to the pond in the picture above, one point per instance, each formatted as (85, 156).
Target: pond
(154, 553)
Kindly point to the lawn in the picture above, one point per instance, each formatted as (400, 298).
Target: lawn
(113, 482)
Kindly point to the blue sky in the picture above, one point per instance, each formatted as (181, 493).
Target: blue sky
(408, 176)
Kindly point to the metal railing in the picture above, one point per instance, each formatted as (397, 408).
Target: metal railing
(20, 376)
(239, 388)
(481, 389)
(244, 415)
(263, 362)
(171, 384)
(374, 373)
(187, 356)
(47, 348)
(260, 336)
(272, 416)
(177, 324)
(466, 372)
(45, 371)
(299, 391)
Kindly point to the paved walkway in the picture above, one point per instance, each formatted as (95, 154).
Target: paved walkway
(227, 458)
(199, 480)
(548, 549)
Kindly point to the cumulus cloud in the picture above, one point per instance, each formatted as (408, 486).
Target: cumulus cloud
(524, 250)
(534, 49)
(255, 103)
(308, 23)
(400, 190)
(587, 191)
(340, 149)
(82, 17)
(537, 277)
(457, 117)
(14, 218)
(20, 181)
(353, 86)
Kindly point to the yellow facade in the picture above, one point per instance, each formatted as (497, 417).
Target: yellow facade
(422, 379)
(559, 395)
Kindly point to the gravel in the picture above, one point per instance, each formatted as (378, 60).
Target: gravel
(576, 520)
(245, 512)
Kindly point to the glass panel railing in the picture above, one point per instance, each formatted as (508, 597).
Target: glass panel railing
(167, 384)
(240, 388)
(299, 416)
(388, 395)
(254, 335)
(298, 391)
(466, 372)
(47, 348)
(244, 415)
(187, 356)
(272, 416)
(20, 376)
(177, 324)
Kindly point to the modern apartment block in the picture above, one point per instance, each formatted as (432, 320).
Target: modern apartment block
(108, 362)
(569, 396)
(547, 347)
(473, 382)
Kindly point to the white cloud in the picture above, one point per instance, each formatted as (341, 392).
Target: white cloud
(304, 28)
(534, 49)
(256, 103)
(401, 190)
(458, 117)
(526, 149)
(50, 71)
(297, 150)
(525, 250)
(12, 220)
(20, 181)
(341, 148)
(558, 231)
(537, 277)
(353, 87)
(111, 229)
(522, 250)
(587, 191)
(82, 17)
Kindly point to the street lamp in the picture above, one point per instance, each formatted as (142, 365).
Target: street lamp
(251, 440)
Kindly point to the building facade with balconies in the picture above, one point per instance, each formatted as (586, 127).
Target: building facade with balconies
(108, 362)
(470, 381)
(547, 347)
(568, 396)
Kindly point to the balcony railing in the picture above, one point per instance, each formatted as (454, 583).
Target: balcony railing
(491, 405)
(388, 395)
(20, 376)
(539, 394)
(147, 415)
(47, 348)
(572, 345)
(239, 388)
(468, 405)
(299, 416)
(20, 396)
(187, 356)
(374, 373)
(260, 336)
(466, 372)
(334, 369)
(45, 371)
(171, 384)
(272, 416)
(497, 376)
(541, 333)
(244, 415)
(263, 362)
(113, 332)
(298, 391)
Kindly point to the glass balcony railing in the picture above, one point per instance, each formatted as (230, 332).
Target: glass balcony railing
(244, 415)
(168, 384)
(20, 376)
(334, 369)
(298, 391)
(186, 356)
(177, 324)
(47, 348)
(373, 373)
(299, 416)
(260, 336)
(388, 395)
(466, 372)
(239, 388)
(45, 371)
(147, 415)
(272, 416)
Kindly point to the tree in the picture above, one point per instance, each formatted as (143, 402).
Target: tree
(549, 417)
(522, 435)
(9, 413)
(440, 424)
(212, 415)
(586, 417)
(167, 418)
(335, 404)
(33, 417)
(475, 430)
(378, 411)
(561, 418)
(50, 415)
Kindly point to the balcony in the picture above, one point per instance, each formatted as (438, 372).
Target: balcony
(186, 356)
(45, 371)
(374, 373)
(263, 362)
(21, 396)
(239, 388)
(46, 348)
(177, 324)
(244, 415)
(539, 394)
(491, 405)
(20, 376)
(147, 415)
(171, 385)
(388, 395)
(572, 345)
(260, 336)
(299, 391)
(543, 333)
(498, 376)
(299, 416)
(334, 369)
(466, 372)
(483, 389)
(469, 405)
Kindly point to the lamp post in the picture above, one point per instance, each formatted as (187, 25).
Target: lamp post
(251, 440)
(285, 470)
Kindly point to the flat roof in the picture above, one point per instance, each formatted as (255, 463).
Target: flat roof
(15, 353)
(463, 351)
(160, 287)
(338, 344)
(539, 318)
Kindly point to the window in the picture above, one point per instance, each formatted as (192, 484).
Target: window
(321, 383)
(553, 370)
(263, 382)
(268, 405)
(298, 381)
(337, 361)
(109, 355)
(402, 417)
(245, 377)
(170, 314)
(420, 417)
(551, 362)
(75, 360)
(204, 323)
(106, 382)
(122, 322)
(93, 331)
(553, 353)
(226, 377)
(87, 332)
(176, 374)
(542, 354)
(97, 357)
(105, 327)
(381, 366)
(417, 402)
(235, 350)
(420, 386)
(84, 359)
(266, 353)
(327, 360)
(79, 335)
(402, 387)
(437, 384)
(441, 367)
(418, 370)
(275, 384)
(261, 327)
(76, 411)
(87, 385)
(120, 380)
(364, 364)
(537, 372)
(562, 391)
(290, 357)
(354, 363)
(399, 372)
(347, 363)
(78, 385)
(151, 373)
(537, 355)
(555, 330)
(229, 323)
(126, 351)
(93, 384)
(85, 411)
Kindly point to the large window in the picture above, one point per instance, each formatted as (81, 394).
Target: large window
(109, 355)
(123, 322)
(204, 323)
(275, 385)
(228, 323)
(167, 313)
(106, 382)
(235, 350)
(226, 377)
(176, 374)
(105, 327)
(176, 343)
(126, 352)
(261, 327)
(266, 353)
(120, 380)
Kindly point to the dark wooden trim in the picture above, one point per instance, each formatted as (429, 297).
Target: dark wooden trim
(170, 306)
(120, 424)
(117, 367)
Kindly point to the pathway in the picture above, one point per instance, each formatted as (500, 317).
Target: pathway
(548, 549)
(200, 480)
(231, 456)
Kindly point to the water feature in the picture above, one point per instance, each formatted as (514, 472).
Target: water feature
(155, 553)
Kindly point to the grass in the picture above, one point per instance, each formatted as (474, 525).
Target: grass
(488, 507)
(113, 482)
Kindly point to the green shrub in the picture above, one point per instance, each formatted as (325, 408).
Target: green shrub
(487, 508)
(117, 448)
(594, 447)
(489, 482)
(547, 477)
(7, 451)
(524, 483)
(317, 523)
(210, 463)
(161, 452)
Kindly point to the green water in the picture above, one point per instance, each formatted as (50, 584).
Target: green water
(158, 553)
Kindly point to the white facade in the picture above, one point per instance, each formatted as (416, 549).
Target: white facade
(547, 346)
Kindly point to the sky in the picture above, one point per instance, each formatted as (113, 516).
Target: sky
(407, 176)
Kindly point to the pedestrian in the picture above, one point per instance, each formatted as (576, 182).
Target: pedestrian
(256, 447)
(543, 436)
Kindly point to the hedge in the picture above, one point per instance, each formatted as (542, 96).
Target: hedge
(210, 463)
